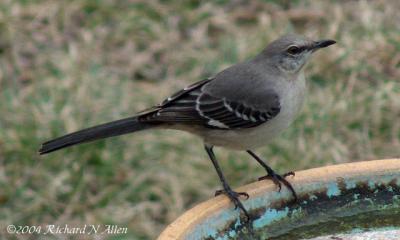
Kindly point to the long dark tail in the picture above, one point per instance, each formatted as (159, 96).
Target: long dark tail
(106, 130)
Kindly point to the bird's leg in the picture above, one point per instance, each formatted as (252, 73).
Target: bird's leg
(276, 178)
(232, 195)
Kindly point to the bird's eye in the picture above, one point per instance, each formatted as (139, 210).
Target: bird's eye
(293, 50)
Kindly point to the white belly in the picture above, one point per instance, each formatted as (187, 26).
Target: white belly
(250, 138)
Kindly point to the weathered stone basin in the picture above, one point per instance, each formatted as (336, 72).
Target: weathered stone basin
(347, 201)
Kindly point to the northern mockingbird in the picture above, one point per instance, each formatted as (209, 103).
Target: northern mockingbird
(243, 107)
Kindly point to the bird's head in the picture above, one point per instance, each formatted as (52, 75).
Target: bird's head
(291, 52)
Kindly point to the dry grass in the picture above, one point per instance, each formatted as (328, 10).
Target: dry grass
(66, 65)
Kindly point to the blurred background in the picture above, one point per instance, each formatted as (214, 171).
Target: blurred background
(66, 65)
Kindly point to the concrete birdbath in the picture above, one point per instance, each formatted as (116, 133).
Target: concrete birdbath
(347, 201)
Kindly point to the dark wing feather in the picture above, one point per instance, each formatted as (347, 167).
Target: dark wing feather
(178, 108)
(193, 106)
(189, 92)
(227, 114)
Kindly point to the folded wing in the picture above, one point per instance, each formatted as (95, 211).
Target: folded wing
(194, 105)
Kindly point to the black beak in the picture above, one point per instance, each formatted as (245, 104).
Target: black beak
(323, 44)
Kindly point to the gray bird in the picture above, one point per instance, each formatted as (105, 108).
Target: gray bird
(243, 107)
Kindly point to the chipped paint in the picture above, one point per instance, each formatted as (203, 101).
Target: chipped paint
(275, 215)
(320, 200)
(333, 190)
(350, 184)
(270, 216)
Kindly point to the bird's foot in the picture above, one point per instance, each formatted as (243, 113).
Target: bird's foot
(236, 194)
(234, 197)
(278, 179)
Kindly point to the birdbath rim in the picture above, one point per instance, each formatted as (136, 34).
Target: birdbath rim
(205, 219)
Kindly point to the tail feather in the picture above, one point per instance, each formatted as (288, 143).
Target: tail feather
(106, 130)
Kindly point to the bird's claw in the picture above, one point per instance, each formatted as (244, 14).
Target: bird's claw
(234, 197)
(291, 173)
(235, 194)
(278, 179)
(271, 175)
